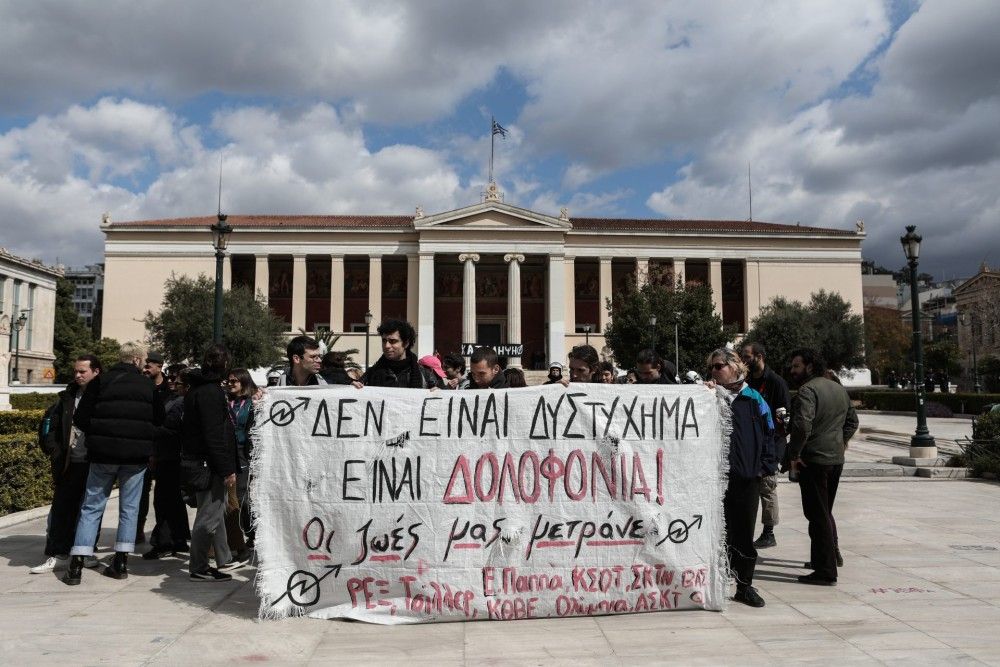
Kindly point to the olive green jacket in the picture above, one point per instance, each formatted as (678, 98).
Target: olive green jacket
(823, 420)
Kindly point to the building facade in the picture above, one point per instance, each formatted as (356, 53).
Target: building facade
(978, 304)
(491, 273)
(27, 320)
(88, 294)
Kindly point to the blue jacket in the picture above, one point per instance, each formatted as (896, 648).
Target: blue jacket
(751, 445)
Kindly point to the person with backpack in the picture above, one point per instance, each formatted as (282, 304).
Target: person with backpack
(66, 448)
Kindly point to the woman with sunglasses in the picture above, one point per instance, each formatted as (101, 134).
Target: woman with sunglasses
(751, 453)
(240, 390)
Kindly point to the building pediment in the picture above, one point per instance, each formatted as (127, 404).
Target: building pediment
(491, 215)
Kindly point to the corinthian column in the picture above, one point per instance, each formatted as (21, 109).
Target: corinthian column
(469, 296)
(514, 304)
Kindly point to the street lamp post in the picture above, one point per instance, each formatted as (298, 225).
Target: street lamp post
(652, 331)
(368, 327)
(586, 331)
(220, 237)
(921, 443)
(677, 342)
(18, 325)
(969, 319)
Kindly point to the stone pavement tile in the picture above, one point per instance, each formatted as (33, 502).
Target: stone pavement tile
(892, 634)
(366, 642)
(795, 644)
(961, 634)
(100, 645)
(981, 590)
(825, 611)
(551, 639)
(934, 656)
(665, 620)
(987, 656)
(723, 644)
(774, 613)
(963, 609)
(205, 648)
(956, 573)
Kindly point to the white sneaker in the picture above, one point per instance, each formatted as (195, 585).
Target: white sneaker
(48, 566)
(91, 561)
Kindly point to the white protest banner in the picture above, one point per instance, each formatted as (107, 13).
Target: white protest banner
(404, 506)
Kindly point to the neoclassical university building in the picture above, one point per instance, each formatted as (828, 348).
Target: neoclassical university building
(490, 273)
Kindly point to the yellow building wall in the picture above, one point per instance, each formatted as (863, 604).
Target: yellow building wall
(135, 285)
(799, 280)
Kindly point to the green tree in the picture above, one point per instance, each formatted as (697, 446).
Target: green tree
(887, 341)
(106, 349)
(70, 334)
(700, 329)
(989, 373)
(825, 324)
(943, 355)
(183, 327)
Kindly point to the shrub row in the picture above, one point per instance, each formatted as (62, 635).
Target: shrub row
(32, 401)
(25, 475)
(983, 454)
(903, 401)
(20, 421)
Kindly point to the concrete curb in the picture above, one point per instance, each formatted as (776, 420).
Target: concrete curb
(16, 518)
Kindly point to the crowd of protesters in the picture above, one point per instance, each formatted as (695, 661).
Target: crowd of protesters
(189, 431)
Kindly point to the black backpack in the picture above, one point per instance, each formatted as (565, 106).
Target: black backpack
(50, 429)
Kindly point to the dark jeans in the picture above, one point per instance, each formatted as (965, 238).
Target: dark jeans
(237, 523)
(740, 508)
(818, 486)
(70, 487)
(171, 530)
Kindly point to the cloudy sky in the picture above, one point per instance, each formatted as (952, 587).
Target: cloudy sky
(883, 110)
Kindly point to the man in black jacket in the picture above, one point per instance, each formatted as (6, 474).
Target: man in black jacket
(117, 414)
(65, 445)
(398, 367)
(774, 389)
(171, 532)
(651, 369)
(210, 441)
(484, 370)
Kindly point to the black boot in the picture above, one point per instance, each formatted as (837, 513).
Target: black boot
(766, 539)
(75, 571)
(119, 566)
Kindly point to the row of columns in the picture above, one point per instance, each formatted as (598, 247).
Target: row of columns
(561, 310)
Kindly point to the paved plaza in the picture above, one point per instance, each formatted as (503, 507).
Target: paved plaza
(921, 585)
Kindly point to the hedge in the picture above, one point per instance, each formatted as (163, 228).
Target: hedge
(25, 474)
(32, 401)
(20, 421)
(983, 453)
(903, 400)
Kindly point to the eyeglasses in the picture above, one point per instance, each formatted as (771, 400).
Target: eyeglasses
(231, 381)
(718, 367)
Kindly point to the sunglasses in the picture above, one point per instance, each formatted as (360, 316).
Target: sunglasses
(718, 367)
(232, 381)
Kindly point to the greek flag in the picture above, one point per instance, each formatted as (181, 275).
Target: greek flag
(499, 129)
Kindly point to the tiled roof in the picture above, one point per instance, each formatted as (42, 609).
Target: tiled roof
(406, 222)
(265, 221)
(644, 225)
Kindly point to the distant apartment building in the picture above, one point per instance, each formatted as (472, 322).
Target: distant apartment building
(27, 319)
(88, 294)
(879, 290)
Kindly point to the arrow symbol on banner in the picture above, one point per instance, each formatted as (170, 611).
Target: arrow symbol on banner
(283, 412)
(301, 583)
(679, 529)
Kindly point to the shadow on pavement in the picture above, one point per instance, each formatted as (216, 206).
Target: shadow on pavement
(234, 598)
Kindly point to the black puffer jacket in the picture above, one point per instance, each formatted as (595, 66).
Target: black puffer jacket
(207, 430)
(167, 438)
(118, 413)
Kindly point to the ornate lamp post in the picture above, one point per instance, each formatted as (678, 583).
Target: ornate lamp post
(969, 319)
(220, 238)
(18, 325)
(677, 342)
(921, 443)
(368, 327)
(586, 331)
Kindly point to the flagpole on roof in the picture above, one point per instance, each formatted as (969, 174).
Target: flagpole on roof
(493, 124)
